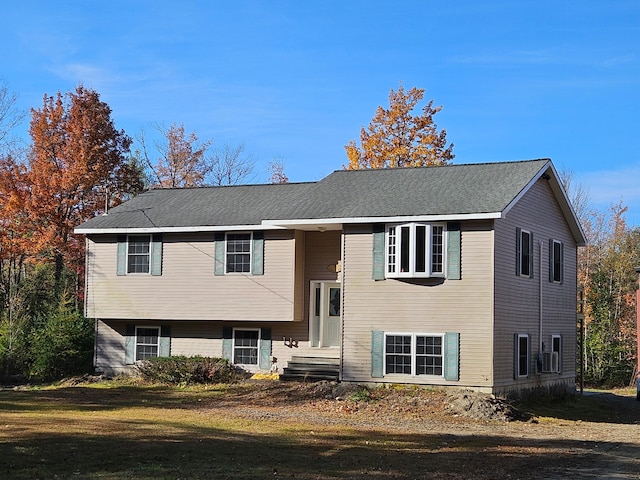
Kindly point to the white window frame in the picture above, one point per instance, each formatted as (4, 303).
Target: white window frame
(236, 347)
(556, 346)
(394, 238)
(525, 265)
(138, 344)
(556, 262)
(518, 355)
(136, 238)
(413, 353)
(227, 253)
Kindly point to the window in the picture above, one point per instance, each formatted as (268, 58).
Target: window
(147, 342)
(138, 254)
(415, 250)
(521, 355)
(238, 256)
(245, 346)
(556, 252)
(413, 354)
(524, 257)
(556, 348)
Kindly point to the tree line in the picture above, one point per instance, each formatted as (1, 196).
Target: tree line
(78, 165)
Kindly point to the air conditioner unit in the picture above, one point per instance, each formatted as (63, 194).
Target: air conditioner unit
(550, 362)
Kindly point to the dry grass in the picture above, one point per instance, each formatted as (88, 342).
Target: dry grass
(115, 430)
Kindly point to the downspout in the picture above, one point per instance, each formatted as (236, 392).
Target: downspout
(540, 309)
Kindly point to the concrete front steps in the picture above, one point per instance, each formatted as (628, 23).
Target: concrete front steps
(311, 369)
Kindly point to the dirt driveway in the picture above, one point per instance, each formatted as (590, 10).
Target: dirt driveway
(460, 446)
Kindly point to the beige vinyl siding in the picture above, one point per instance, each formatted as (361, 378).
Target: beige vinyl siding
(109, 354)
(196, 339)
(322, 253)
(321, 249)
(193, 339)
(188, 288)
(518, 299)
(420, 306)
(299, 275)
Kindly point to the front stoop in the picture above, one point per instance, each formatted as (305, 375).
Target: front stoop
(311, 369)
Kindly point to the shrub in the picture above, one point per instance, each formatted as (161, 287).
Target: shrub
(62, 345)
(182, 370)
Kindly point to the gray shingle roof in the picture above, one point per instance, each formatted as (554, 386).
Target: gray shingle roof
(447, 190)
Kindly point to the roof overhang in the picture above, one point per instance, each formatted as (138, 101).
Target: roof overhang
(336, 223)
(196, 229)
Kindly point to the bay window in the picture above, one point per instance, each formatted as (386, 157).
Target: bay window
(415, 250)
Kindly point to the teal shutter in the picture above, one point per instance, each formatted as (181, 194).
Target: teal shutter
(121, 268)
(518, 250)
(378, 251)
(531, 254)
(129, 344)
(516, 360)
(452, 356)
(561, 263)
(377, 354)
(227, 343)
(551, 259)
(165, 341)
(156, 254)
(454, 251)
(219, 254)
(264, 362)
(257, 254)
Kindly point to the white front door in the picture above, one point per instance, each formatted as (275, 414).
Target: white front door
(325, 314)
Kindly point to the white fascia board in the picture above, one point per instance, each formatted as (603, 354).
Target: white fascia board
(196, 229)
(395, 219)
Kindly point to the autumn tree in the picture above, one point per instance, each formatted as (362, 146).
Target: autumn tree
(181, 160)
(78, 158)
(275, 168)
(606, 276)
(230, 165)
(396, 138)
(10, 117)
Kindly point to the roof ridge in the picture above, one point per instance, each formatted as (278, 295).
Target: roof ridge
(448, 165)
(210, 187)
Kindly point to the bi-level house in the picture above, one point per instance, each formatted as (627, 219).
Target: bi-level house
(460, 275)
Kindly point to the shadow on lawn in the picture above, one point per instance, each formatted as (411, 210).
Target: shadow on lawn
(97, 399)
(599, 407)
(179, 450)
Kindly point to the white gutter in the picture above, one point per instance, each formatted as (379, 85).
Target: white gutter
(393, 219)
(289, 223)
(202, 228)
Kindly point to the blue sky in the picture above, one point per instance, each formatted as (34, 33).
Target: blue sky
(298, 79)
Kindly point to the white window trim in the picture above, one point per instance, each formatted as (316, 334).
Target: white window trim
(428, 273)
(226, 264)
(558, 351)
(233, 346)
(135, 353)
(413, 353)
(134, 237)
(519, 336)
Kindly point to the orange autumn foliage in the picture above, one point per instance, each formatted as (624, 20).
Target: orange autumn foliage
(396, 139)
(77, 159)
